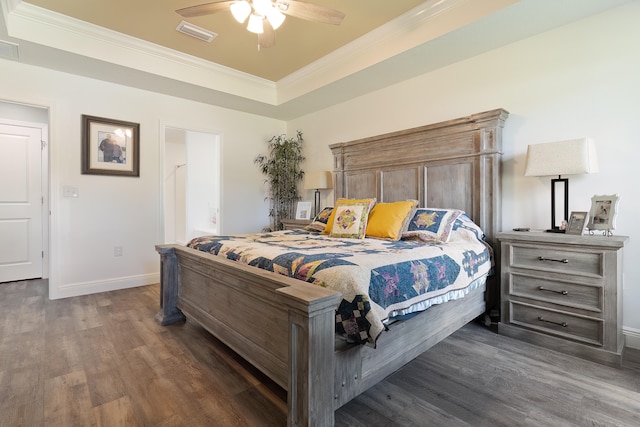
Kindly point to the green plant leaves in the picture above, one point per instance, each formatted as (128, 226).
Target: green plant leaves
(283, 172)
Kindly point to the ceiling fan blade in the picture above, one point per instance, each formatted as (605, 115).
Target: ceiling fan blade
(310, 11)
(204, 9)
(268, 36)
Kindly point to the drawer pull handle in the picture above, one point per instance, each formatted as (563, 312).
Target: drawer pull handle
(563, 324)
(564, 260)
(542, 288)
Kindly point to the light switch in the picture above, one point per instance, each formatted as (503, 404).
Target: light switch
(68, 191)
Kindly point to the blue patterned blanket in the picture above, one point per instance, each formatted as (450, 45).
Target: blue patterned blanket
(378, 279)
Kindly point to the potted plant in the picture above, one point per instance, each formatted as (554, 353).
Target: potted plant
(283, 174)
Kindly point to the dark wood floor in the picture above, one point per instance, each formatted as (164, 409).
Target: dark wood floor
(101, 360)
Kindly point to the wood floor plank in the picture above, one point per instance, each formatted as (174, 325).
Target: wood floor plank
(406, 408)
(85, 313)
(31, 315)
(103, 360)
(67, 402)
(101, 365)
(117, 413)
(21, 397)
(258, 409)
(58, 317)
(64, 354)
(120, 333)
(457, 394)
(548, 358)
(155, 397)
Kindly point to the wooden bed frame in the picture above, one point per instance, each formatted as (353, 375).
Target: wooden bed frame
(285, 327)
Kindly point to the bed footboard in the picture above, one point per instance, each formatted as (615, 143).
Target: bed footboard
(169, 312)
(282, 326)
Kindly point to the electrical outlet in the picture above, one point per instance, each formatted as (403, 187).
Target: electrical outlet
(117, 251)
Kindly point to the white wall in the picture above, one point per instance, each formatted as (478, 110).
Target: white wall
(203, 187)
(123, 211)
(579, 80)
(174, 202)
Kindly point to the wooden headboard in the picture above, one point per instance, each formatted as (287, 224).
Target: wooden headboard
(452, 164)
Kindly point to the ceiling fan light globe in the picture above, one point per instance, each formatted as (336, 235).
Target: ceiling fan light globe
(241, 11)
(262, 7)
(255, 24)
(275, 17)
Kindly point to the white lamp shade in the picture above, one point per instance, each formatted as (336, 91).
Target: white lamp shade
(262, 6)
(255, 24)
(574, 156)
(318, 180)
(240, 10)
(275, 17)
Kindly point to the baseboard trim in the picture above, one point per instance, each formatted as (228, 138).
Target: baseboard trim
(86, 288)
(631, 338)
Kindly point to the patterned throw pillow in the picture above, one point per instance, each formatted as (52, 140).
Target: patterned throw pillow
(432, 224)
(350, 218)
(327, 230)
(319, 223)
(389, 220)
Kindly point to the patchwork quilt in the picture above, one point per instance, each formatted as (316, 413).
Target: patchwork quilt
(379, 279)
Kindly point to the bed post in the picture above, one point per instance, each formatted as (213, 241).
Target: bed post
(311, 351)
(489, 217)
(169, 284)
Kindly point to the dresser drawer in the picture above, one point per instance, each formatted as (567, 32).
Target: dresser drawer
(569, 294)
(557, 259)
(566, 325)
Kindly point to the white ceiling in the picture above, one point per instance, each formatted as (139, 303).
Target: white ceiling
(428, 36)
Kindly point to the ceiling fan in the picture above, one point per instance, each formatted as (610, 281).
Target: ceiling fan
(265, 16)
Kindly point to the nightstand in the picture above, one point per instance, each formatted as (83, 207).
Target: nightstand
(563, 292)
(295, 224)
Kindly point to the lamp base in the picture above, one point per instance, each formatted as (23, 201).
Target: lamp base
(316, 203)
(555, 230)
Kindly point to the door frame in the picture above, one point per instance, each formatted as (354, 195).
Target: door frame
(163, 125)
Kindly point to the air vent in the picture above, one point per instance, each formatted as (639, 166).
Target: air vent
(195, 31)
(8, 50)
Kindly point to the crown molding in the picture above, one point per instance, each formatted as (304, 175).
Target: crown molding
(423, 23)
(420, 25)
(41, 26)
(416, 43)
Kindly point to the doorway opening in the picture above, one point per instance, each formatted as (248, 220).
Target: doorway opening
(191, 184)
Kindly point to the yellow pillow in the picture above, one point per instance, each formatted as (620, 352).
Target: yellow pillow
(389, 220)
(329, 226)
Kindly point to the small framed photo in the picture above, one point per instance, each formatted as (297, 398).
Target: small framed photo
(577, 221)
(303, 210)
(603, 212)
(110, 147)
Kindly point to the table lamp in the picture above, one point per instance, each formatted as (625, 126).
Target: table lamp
(319, 180)
(571, 157)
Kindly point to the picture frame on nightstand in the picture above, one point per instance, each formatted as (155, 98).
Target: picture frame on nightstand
(602, 215)
(577, 220)
(303, 210)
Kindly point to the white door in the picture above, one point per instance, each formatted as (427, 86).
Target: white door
(20, 202)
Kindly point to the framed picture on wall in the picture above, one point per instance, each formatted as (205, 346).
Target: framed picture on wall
(303, 210)
(577, 221)
(110, 147)
(603, 212)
